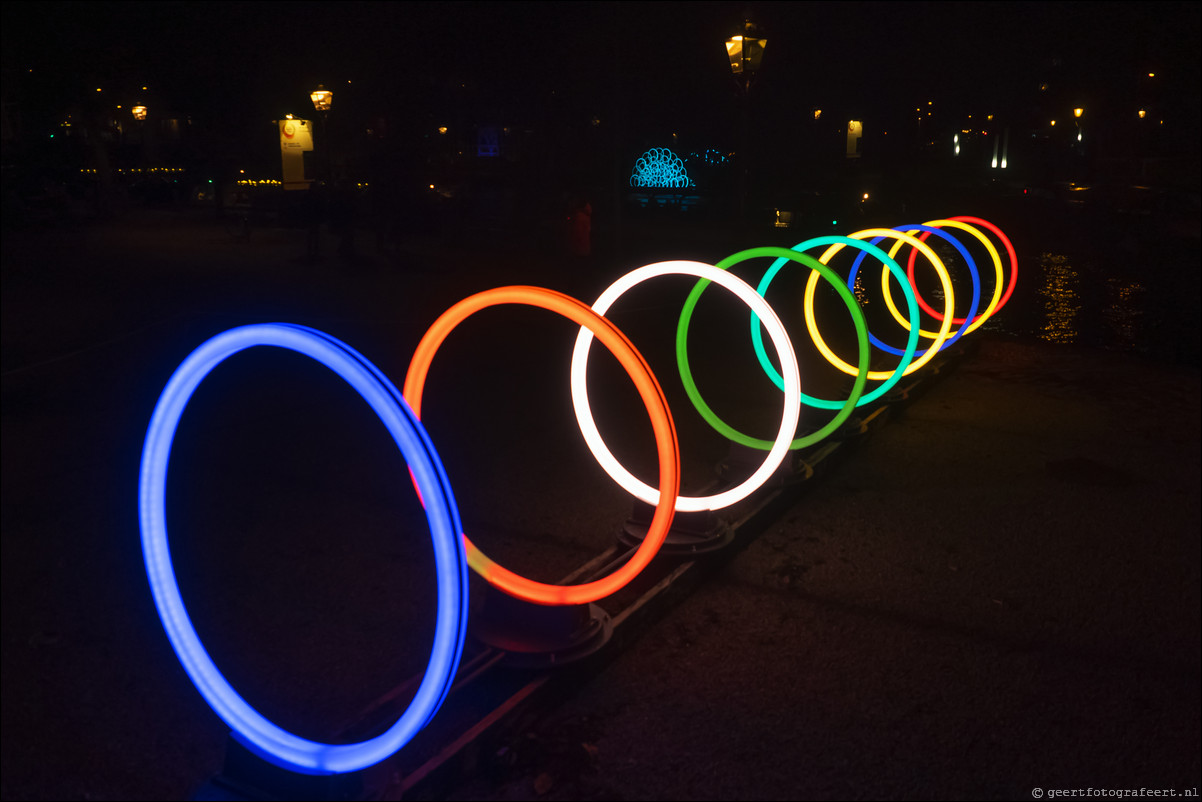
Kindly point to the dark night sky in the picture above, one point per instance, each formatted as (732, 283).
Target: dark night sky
(663, 61)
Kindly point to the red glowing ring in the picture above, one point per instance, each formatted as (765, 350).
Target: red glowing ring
(989, 311)
(653, 398)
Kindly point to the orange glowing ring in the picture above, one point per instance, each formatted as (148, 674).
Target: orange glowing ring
(653, 398)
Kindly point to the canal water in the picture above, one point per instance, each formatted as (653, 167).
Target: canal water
(1119, 277)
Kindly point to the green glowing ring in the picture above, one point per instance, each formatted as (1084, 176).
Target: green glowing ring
(686, 374)
(875, 252)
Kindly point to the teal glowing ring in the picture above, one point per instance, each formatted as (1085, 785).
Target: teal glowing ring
(686, 374)
(248, 726)
(911, 341)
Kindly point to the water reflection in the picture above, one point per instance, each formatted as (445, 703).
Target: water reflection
(1061, 294)
(858, 290)
(1123, 314)
(1091, 298)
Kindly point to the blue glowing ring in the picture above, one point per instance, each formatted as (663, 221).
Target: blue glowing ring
(972, 268)
(261, 736)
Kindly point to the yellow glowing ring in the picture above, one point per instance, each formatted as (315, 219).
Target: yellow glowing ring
(944, 280)
(652, 395)
(997, 289)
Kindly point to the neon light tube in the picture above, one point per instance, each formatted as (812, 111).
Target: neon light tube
(784, 349)
(252, 729)
(949, 297)
(999, 299)
(686, 375)
(974, 324)
(997, 232)
(964, 254)
(876, 253)
(653, 398)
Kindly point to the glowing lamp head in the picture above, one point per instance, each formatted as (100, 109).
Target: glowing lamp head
(1143, 113)
(745, 50)
(322, 98)
(1077, 112)
(139, 112)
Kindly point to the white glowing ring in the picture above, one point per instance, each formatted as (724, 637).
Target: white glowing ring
(784, 349)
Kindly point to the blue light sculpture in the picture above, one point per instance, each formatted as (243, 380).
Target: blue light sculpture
(660, 168)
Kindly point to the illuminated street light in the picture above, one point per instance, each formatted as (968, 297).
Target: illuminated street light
(1078, 112)
(322, 98)
(745, 51)
(139, 113)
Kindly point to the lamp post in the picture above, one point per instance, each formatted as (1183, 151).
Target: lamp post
(323, 99)
(316, 198)
(1080, 167)
(139, 113)
(745, 51)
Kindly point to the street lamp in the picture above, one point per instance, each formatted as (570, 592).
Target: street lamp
(745, 51)
(323, 99)
(139, 115)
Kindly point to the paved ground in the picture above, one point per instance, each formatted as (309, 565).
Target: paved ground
(997, 592)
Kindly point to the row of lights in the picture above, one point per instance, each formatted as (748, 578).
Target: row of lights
(138, 170)
(271, 182)
(744, 50)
